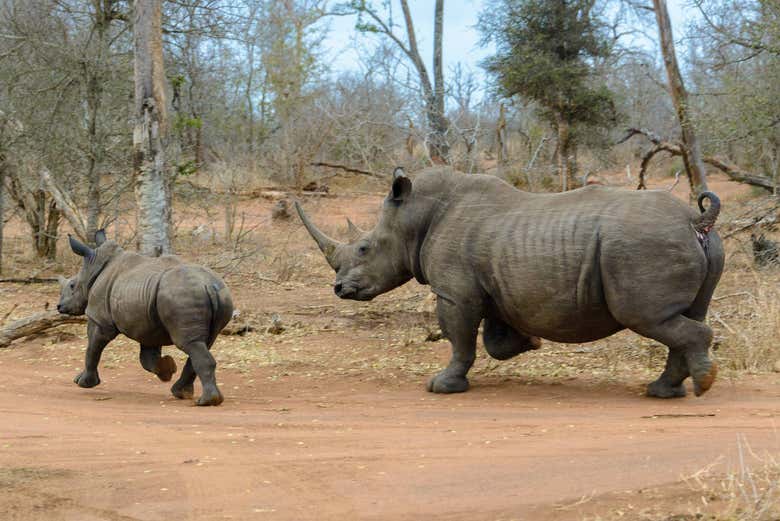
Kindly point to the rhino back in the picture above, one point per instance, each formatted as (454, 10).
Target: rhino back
(131, 290)
(550, 263)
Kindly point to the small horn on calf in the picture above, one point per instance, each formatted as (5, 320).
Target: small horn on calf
(327, 245)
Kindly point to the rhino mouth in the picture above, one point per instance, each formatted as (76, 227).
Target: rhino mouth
(350, 292)
(67, 310)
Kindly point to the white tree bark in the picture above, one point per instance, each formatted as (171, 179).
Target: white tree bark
(149, 131)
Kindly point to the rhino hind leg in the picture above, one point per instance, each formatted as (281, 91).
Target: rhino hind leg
(502, 342)
(688, 340)
(204, 366)
(670, 383)
(459, 325)
(184, 388)
(163, 366)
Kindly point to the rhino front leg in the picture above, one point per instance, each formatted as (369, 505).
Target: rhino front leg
(459, 324)
(163, 366)
(97, 339)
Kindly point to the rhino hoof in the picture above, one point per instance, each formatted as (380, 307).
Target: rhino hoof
(183, 393)
(663, 390)
(86, 380)
(702, 384)
(210, 399)
(447, 384)
(166, 368)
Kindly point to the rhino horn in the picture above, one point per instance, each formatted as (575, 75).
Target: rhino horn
(79, 248)
(327, 245)
(353, 229)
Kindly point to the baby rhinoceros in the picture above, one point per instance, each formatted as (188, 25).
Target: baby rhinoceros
(157, 302)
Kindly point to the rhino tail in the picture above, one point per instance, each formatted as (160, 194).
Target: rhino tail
(704, 223)
(212, 291)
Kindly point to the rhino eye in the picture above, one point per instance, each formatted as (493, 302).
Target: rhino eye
(72, 285)
(362, 249)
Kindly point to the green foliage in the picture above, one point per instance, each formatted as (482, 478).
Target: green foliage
(547, 51)
(186, 169)
(366, 27)
(183, 122)
(177, 81)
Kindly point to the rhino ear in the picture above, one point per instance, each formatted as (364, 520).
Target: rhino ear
(402, 185)
(79, 248)
(100, 237)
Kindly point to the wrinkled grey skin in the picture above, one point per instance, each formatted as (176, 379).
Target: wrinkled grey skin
(570, 267)
(157, 302)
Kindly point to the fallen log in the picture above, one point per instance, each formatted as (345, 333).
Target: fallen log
(346, 168)
(36, 324)
(40, 322)
(29, 280)
(267, 192)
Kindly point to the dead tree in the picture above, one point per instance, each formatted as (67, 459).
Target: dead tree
(676, 149)
(35, 324)
(2, 206)
(501, 138)
(40, 212)
(152, 188)
(433, 92)
(692, 157)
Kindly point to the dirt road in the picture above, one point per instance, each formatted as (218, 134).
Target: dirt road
(343, 448)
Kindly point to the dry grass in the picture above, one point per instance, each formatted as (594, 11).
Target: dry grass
(748, 491)
(752, 493)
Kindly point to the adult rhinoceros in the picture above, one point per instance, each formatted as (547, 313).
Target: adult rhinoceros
(156, 301)
(570, 267)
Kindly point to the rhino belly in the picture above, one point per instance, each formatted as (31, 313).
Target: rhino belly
(561, 319)
(136, 320)
(578, 329)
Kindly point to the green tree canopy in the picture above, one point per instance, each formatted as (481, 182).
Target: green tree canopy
(549, 52)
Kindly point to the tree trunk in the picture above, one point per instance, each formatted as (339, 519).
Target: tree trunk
(439, 147)
(501, 145)
(565, 169)
(41, 213)
(65, 205)
(692, 158)
(51, 231)
(2, 207)
(152, 191)
(94, 76)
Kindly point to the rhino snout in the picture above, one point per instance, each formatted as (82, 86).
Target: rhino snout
(342, 290)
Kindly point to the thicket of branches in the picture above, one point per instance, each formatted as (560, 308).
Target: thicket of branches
(253, 99)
